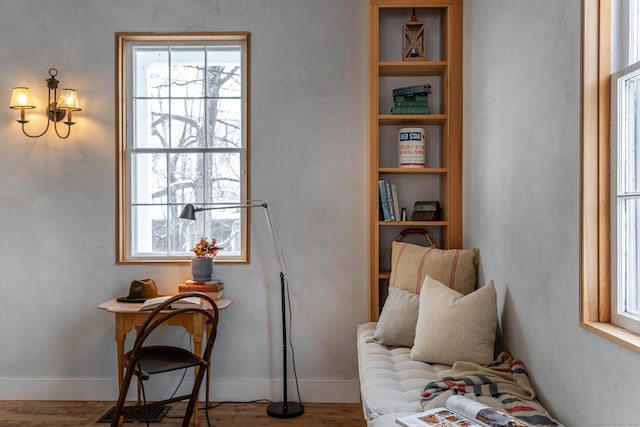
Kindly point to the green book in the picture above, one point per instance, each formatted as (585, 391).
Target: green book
(411, 98)
(412, 90)
(412, 104)
(410, 110)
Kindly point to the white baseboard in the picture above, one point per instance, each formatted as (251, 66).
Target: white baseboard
(100, 389)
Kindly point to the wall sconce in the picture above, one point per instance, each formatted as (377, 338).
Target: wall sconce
(56, 111)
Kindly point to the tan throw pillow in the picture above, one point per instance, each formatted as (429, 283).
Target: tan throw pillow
(453, 327)
(397, 324)
(456, 268)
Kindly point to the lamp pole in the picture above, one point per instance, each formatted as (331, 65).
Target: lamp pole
(284, 409)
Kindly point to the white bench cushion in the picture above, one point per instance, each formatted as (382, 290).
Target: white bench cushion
(391, 383)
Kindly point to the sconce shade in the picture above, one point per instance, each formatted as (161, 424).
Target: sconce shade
(21, 98)
(68, 100)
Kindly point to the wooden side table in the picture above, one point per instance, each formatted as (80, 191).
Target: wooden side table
(129, 316)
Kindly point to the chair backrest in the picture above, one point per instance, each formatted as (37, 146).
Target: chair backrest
(160, 314)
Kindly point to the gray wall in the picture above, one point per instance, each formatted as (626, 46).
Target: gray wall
(522, 202)
(308, 154)
(308, 158)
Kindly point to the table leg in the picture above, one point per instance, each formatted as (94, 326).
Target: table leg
(120, 349)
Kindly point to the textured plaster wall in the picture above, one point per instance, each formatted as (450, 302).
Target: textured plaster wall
(308, 159)
(522, 200)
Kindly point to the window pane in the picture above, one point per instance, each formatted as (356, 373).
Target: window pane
(628, 238)
(224, 126)
(151, 66)
(187, 118)
(634, 31)
(186, 182)
(181, 237)
(224, 76)
(224, 226)
(149, 178)
(628, 122)
(187, 72)
(150, 225)
(223, 179)
(151, 123)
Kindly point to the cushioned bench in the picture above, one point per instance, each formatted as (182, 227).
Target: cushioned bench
(436, 323)
(390, 382)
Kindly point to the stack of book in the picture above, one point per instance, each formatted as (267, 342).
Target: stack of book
(388, 200)
(411, 100)
(213, 288)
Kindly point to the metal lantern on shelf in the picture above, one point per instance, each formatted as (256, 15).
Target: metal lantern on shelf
(413, 40)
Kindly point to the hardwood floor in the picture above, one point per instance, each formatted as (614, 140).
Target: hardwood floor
(85, 414)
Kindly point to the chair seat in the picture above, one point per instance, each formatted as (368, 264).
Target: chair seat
(157, 359)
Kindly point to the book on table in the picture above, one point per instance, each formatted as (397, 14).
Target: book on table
(187, 302)
(214, 288)
(460, 411)
(210, 283)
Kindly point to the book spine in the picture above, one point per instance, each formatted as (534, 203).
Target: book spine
(412, 104)
(386, 214)
(199, 288)
(410, 110)
(195, 282)
(392, 212)
(215, 295)
(411, 98)
(411, 90)
(396, 205)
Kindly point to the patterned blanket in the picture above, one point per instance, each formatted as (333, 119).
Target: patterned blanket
(503, 385)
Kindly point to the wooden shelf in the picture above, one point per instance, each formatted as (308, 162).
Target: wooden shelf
(434, 171)
(412, 223)
(412, 69)
(412, 119)
(442, 69)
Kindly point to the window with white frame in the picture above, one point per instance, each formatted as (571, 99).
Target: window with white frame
(625, 173)
(183, 138)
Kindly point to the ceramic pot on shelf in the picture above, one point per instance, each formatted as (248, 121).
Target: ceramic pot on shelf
(201, 269)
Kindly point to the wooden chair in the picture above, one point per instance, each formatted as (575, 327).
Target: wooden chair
(146, 360)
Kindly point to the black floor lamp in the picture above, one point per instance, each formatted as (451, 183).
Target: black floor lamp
(284, 409)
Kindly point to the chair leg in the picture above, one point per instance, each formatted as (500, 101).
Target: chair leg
(118, 414)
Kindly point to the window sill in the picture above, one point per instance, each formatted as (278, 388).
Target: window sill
(614, 334)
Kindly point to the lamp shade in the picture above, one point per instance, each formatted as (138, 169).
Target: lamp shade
(21, 98)
(188, 212)
(68, 100)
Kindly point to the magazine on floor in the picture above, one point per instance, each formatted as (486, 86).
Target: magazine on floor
(461, 411)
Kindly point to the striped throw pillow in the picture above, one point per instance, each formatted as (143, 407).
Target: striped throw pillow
(410, 264)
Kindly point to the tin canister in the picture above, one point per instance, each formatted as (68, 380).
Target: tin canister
(411, 148)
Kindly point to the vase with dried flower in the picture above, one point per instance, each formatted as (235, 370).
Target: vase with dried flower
(202, 262)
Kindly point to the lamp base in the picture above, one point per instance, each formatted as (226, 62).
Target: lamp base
(285, 410)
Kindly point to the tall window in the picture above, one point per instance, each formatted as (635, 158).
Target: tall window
(609, 203)
(183, 137)
(625, 133)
